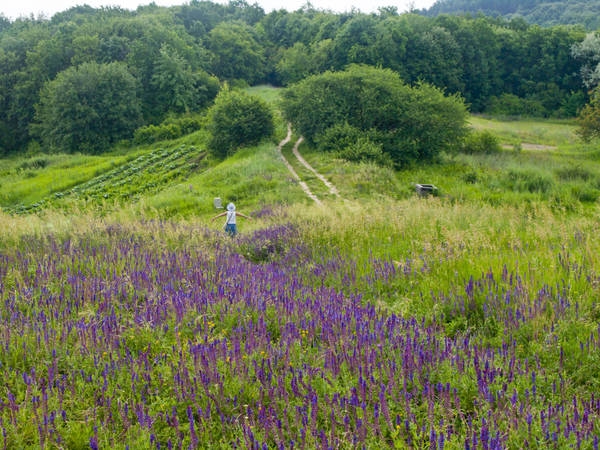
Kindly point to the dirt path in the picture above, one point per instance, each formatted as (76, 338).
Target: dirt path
(332, 189)
(302, 184)
(526, 146)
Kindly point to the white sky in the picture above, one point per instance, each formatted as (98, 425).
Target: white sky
(13, 9)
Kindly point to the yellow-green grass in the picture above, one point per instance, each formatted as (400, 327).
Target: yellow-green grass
(528, 131)
(27, 181)
(252, 178)
(268, 93)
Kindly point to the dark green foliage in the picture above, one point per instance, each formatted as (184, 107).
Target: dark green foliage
(338, 136)
(175, 55)
(510, 105)
(356, 41)
(528, 181)
(88, 108)
(365, 150)
(156, 133)
(200, 17)
(237, 54)
(237, 119)
(169, 129)
(585, 193)
(294, 64)
(34, 163)
(352, 144)
(178, 88)
(409, 123)
(541, 12)
(575, 173)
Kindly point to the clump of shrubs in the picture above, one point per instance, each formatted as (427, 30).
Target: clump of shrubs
(237, 119)
(34, 163)
(533, 181)
(365, 150)
(171, 128)
(510, 105)
(480, 142)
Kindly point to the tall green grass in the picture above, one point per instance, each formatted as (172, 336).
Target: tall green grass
(28, 180)
(517, 132)
(252, 178)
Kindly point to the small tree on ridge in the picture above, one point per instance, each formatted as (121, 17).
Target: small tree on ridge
(237, 119)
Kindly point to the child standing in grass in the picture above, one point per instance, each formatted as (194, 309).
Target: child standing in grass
(230, 223)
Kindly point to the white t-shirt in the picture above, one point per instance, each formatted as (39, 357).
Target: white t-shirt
(230, 218)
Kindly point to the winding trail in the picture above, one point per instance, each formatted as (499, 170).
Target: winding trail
(332, 189)
(302, 184)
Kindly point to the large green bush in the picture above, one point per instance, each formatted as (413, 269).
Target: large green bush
(88, 108)
(410, 123)
(237, 119)
(510, 105)
(481, 142)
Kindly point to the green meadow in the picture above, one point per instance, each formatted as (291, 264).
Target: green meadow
(515, 207)
(503, 258)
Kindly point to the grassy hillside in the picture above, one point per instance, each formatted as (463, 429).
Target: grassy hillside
(378, 318)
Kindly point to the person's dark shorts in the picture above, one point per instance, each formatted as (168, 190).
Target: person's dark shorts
(231, 229)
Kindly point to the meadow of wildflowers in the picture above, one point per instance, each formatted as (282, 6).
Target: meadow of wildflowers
(176, 338)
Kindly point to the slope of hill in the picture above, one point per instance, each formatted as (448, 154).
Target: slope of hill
(541, 12)
(394, 321)
(176, 178)
(118, 180)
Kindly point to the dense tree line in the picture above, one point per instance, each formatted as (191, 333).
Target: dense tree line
(174, 60)
(546, 13)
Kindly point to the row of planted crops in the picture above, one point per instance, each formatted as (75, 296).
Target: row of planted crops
(176, 338)
(145, 174)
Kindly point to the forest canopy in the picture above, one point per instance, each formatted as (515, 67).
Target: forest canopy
(584, 13)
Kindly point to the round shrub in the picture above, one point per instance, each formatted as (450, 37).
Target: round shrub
(338, 136)
(412, 123)
(237, 119)
(481, 142)
(88, 108)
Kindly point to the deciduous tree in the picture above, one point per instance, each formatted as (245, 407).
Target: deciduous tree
(237, 53)
(588, 51)
(87, 108)
(237, 119)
